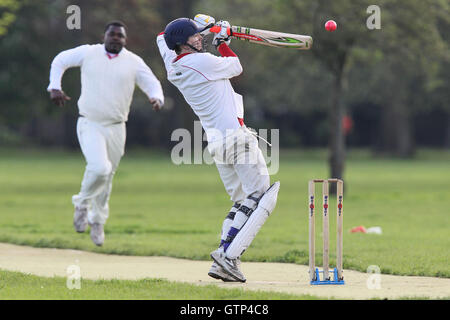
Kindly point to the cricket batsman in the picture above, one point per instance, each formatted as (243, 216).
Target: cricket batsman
(204, 81)
(109, 74)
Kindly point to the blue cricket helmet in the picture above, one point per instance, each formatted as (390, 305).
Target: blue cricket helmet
(178, 31)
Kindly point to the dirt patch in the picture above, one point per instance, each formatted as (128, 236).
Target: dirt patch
(280, 277)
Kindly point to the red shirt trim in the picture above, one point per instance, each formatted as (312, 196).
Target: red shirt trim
(241, 121)
(181, 56)
(112, 56)
(196, 71)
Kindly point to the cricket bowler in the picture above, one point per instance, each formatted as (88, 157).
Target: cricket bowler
(109, 74)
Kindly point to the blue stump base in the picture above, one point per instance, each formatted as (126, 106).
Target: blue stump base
(334, 281)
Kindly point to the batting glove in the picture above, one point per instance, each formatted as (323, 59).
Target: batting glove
(204, 22)
(223, 35)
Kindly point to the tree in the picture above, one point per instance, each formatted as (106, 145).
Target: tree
(390, 75)
(398, 62)
(40, 32)
(413, 53)
(335, 51)
(8, 14)
(405, 58)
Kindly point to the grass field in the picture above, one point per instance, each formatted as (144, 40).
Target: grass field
(15, 285)
(158, 208)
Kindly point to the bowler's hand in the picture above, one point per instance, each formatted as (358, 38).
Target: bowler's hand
(58, 97)
(156, 104)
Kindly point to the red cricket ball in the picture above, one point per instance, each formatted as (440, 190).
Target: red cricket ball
(331, 25)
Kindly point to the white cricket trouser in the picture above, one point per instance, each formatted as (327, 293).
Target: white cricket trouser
(242, 168)
(241, 164)
(103, 146)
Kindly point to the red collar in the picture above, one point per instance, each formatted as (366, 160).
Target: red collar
(112, 55)
(181, 56)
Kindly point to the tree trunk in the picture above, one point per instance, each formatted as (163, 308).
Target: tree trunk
(337, 138)
(385, 143)
(396, 130)
(447, 136)
(404, 142)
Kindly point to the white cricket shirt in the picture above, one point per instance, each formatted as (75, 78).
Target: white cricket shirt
(107, 81)
(203, 79)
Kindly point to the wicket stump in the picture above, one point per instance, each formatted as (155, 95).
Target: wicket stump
(314, 272)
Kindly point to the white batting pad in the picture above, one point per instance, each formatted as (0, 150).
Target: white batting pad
(248, 232)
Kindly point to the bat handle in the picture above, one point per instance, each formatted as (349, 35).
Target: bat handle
(216, 29)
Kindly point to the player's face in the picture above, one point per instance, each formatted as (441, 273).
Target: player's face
(196, 41)
(115, 39)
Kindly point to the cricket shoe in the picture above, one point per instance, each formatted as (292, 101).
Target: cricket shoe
(97, 233)
(217, 272)
(80, 220)
(231, 266)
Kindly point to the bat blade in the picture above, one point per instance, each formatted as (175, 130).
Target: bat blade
(269, 38)
(272, 38)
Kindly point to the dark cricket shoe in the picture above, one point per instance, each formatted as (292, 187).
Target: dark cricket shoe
(217, 272)
(231, 266)
(80, 220)
(97, 233)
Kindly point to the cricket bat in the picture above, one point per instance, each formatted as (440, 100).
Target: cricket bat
(268, 38)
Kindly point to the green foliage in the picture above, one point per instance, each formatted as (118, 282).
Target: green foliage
(8, 9)
(10, 138)
(401, 69)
